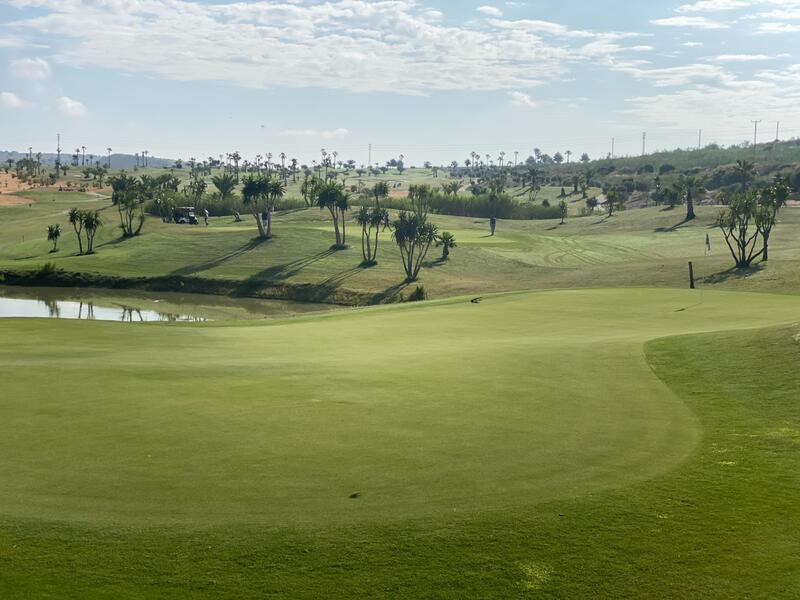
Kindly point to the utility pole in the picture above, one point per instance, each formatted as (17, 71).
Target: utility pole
(369, 157)
(644, 142)
(516, 156)
(778, 131)
(699, 139)
(612, 148)
(755, 137)
(58, 152)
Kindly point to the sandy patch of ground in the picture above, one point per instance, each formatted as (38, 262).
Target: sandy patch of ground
(10, 184)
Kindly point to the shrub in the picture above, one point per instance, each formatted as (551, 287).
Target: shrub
(418, 294)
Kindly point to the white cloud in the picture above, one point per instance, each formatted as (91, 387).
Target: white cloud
(397, 46)
(693, 44)
(677, 76)
(35, 69)
(714, 5)
(10, 100)
(749, 57)
(70, 107)
(326, 134)
(521, 99)
(690, 22)
(491, 11)
(775, 28)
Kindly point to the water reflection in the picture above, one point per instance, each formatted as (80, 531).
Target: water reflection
(88, 311)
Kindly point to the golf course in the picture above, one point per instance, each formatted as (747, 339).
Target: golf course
(563, 417)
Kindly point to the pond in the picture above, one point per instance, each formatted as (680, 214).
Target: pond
(140, 307)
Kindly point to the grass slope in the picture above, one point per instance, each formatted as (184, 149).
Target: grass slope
(521, 445)
(648, 247)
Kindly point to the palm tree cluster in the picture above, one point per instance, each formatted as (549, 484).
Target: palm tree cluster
(259, 194)
(85, 223)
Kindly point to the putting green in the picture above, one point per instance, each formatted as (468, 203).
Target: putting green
(418, 409)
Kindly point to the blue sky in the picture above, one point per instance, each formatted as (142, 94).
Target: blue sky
(430, 79)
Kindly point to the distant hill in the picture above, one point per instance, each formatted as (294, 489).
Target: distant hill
(770, 154)
(118, 161)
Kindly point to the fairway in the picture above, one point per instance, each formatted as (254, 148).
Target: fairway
(517, 400)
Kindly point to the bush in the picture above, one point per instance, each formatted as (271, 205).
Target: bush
(480, 206)
(418, 295)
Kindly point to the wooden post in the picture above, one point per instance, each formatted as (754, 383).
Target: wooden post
(691, 275)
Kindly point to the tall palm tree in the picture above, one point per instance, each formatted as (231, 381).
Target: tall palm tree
(76, 220)
(690, 187)
(253, 192)
(746, 171)
(109, 157)
(332, 196)
(236, 157)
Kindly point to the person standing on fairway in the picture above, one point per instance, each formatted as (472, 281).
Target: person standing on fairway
(493, 224)
(205, 216)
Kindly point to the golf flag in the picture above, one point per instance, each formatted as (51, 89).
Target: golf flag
(708, 244)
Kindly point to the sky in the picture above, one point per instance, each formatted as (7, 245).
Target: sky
(427, 79)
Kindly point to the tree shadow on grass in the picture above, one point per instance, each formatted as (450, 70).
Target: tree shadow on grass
(287, 270)
(675, 227)
(217, 261)
(432, 264)
(389, 293)
(733, 274)
(115, 241)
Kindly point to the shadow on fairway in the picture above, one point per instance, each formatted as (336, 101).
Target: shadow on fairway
(215, 262)
(675, 227)
(287, 270)
(734, 274)
(389, 293)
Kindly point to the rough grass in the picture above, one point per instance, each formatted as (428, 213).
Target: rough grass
(221, 460)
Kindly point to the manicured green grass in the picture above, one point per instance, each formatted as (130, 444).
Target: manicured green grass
(523, 445)
(647, 247)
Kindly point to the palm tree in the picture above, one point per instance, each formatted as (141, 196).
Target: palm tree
(225, 185)
(83, 156)
(283, 166)
(236, 157)
(109, 157)
(332, 196)
(380, 191)
(76, 220)
(413, 236)
(447, 241)
(690, 187)
(53, 233)
(568, 154)
(253, 192)
(586, 181)
(91, 223)
(746, 171)
(563, 209)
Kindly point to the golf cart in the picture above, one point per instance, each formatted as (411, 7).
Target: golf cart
(184, 215)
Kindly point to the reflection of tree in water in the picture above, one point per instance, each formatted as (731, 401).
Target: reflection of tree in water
(52, 307)
(129, 314)
(89, 311)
